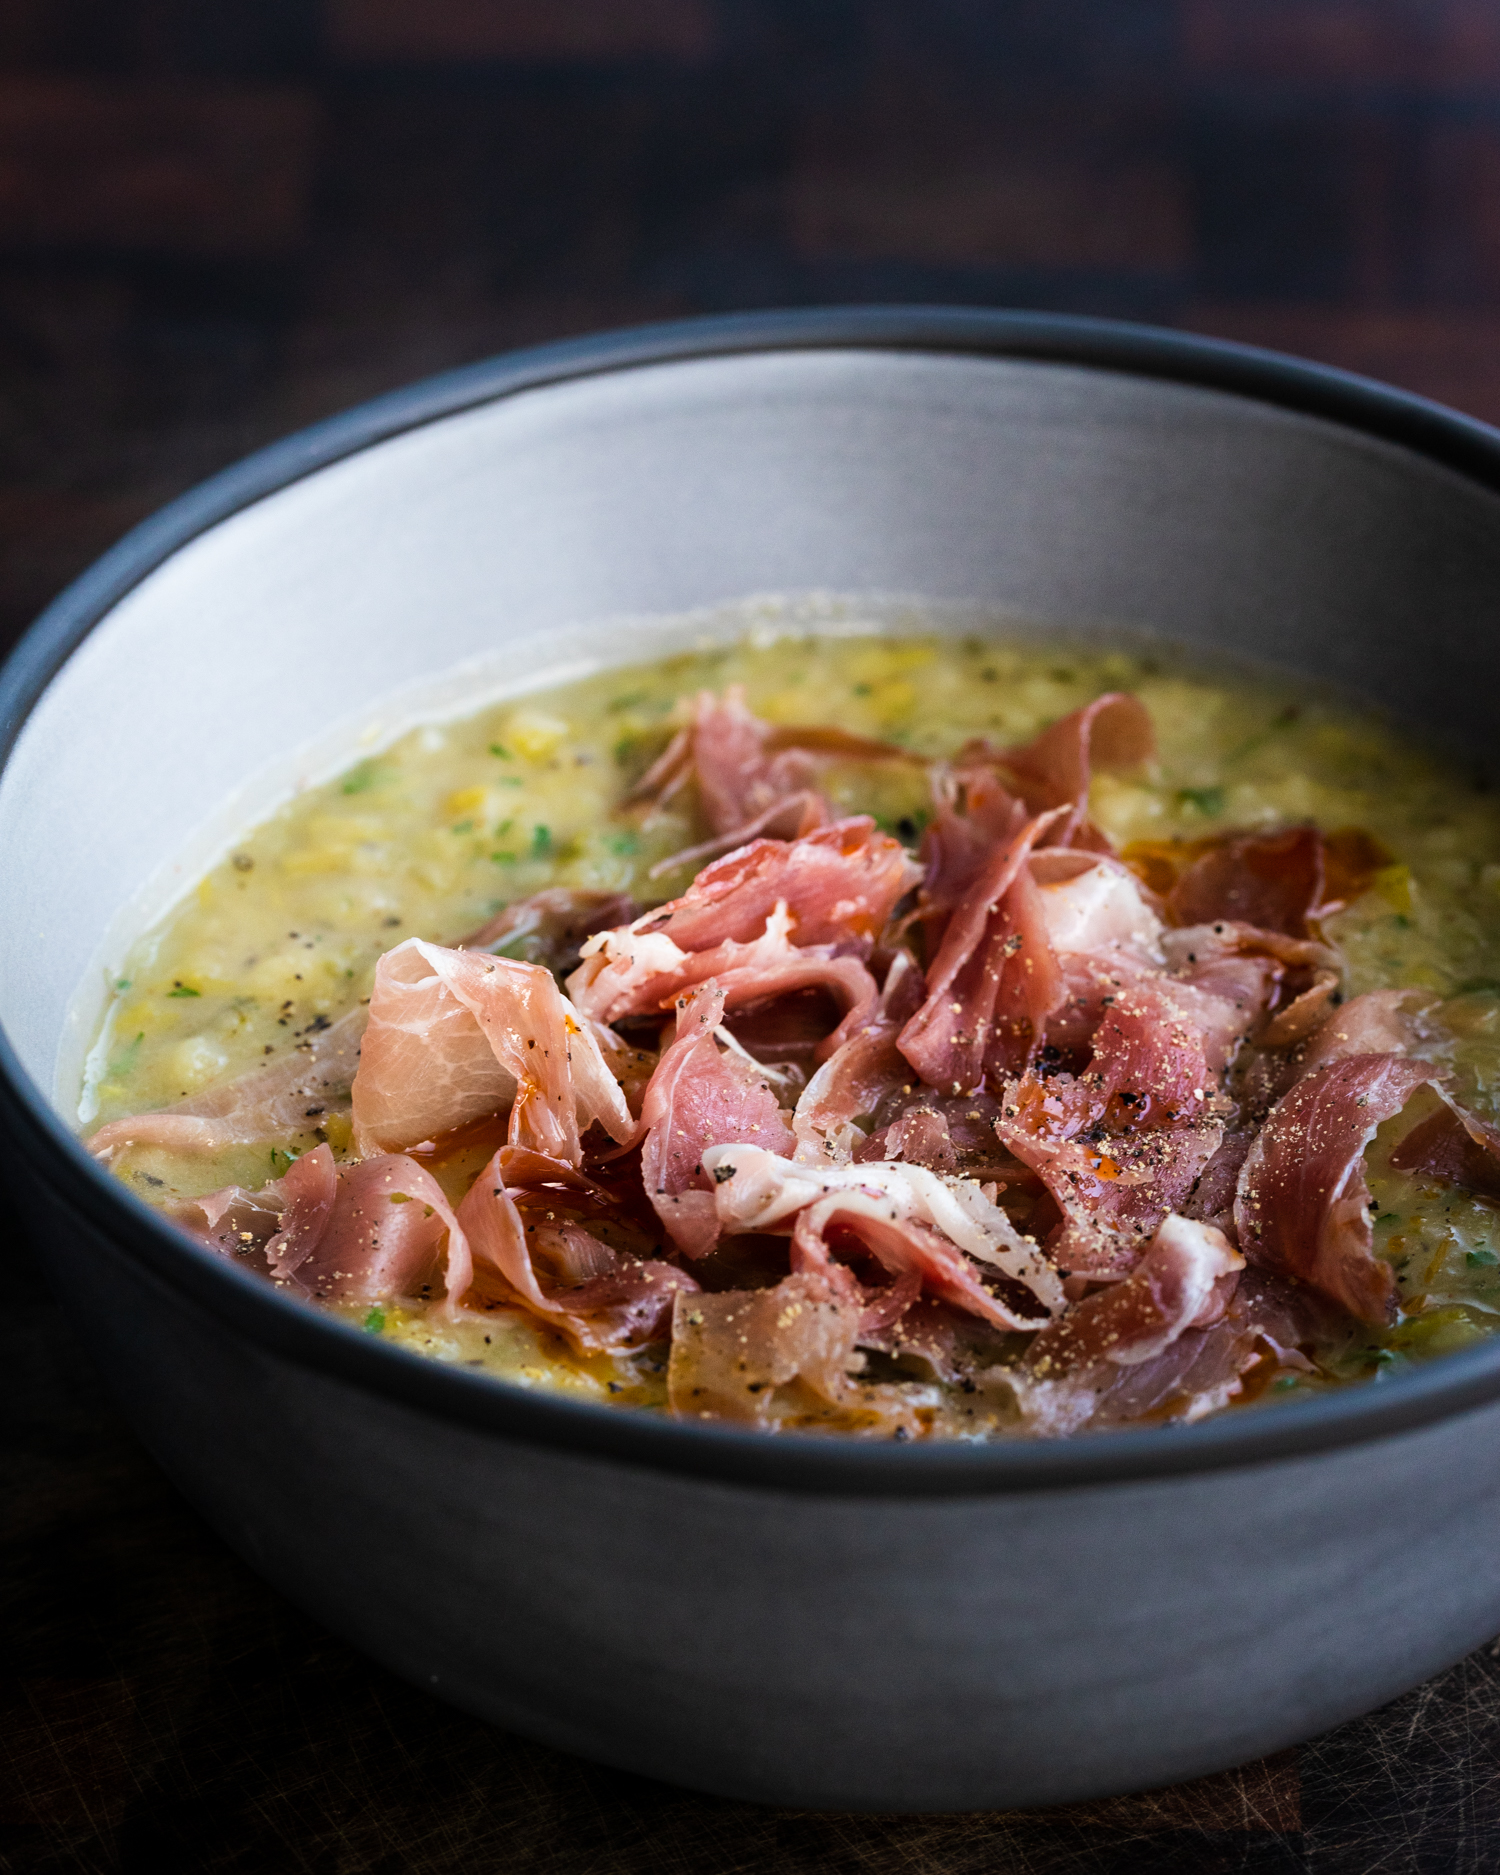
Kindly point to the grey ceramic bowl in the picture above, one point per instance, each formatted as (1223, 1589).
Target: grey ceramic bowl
(804, 1622)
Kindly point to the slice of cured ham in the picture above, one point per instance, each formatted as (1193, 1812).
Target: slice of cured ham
(455, 1036)
(1054, 770)
(1112, 1189)
(1454, 1146)
(635, 972)
(280, 1102)
(701, 1095)
(752, 778)
(1302, 1205)
(919, 1257)
(756, 1190)
(855, 1078)
(1092, 905)
(977, 813)
(731, 1352)
(390, 1232)
(1184, 1280)
(839, 884)
(1381, 1022)
(374, 1231)
(994, 981)
(1199, 1371)
(594, 1295)
(551, 927)
(1273, 880)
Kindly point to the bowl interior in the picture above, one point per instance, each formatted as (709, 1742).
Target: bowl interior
(568, 525)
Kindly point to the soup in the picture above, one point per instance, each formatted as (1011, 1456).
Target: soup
(902, 1036)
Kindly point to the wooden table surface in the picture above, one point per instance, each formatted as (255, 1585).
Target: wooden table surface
(219, 222)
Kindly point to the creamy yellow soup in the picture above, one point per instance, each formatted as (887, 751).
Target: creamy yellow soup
(432, 835)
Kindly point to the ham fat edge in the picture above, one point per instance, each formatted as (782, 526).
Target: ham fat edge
(839, 1123)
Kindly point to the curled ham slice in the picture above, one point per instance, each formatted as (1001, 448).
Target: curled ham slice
(389, 1231)
(1163, 1363)
(1055, 769)
(551, 927)
(840, 885)
(278, 1102)
(920, 1258)
(995, 979)
(1184, 1280)
(1455, 1146)
(1248, 966)
(1112, 1190)
(859, 1073)
(612, 1300)
(976, 812)
(455, 1036)
(638, 972)
(731, 1352)
(699, 1096)
(756, 1190)
(1093, 905)
(1272, 880)
(1381, 1022)
(752, 778)
(369, 1232)
(1302, 1205)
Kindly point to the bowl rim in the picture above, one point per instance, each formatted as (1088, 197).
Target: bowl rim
(51, 1159)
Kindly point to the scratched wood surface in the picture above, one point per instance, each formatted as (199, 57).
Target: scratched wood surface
(221, 219)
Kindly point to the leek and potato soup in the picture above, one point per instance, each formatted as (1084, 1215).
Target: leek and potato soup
(899, 1036)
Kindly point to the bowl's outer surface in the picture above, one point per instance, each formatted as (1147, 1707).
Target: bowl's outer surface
(882, 1653)
(851, 1647)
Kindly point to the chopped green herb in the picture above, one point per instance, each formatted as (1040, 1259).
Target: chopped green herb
(374, 1322)
(541, 842)
(1284, 1384)
(504, 859)
(183, 989)
(122, 984)
(632, 699)
(124, 1062)
(1209, 801)
(1400, 920)
(462, 826)
(863, 690)
(366, 775)
(623, 843)
(1482, 1259)
(511, 781)
(503, 827)
(1388, 1217)
(499, 748)
(281, 1160)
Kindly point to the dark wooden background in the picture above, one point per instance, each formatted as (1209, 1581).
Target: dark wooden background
(222, 219)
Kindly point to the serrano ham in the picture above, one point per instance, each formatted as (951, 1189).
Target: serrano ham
(455, 1036)
(593, 1294)
(995, 980)
(290, 1097)
(753, 778)
(1302, 1205)
(757, 1191)
(701, 1095)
